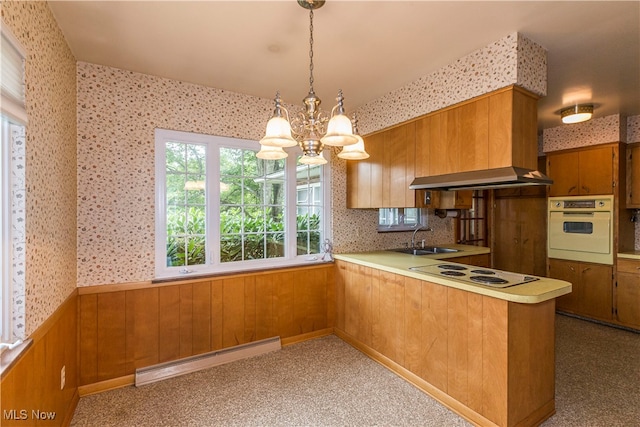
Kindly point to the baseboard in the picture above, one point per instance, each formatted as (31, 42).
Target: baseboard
(106, 385)
(187, 365)
(446, 400)
(308, 336)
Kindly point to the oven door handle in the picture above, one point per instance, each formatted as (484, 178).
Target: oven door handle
(589, 214)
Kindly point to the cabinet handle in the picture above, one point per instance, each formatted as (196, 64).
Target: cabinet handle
(586, 189)
(586, 269)
(572, 269)
(571, 189)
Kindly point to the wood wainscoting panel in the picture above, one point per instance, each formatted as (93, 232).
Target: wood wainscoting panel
(168, 324)
(434, 345)
(142, 337)
(32, 382)
(111, 348)
(125, 329)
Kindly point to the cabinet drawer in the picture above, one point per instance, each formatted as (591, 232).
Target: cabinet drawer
(628, 266)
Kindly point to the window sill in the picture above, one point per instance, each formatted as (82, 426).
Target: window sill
(204, 275)
(10, 357)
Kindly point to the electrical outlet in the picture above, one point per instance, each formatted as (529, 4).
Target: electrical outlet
(62, 377)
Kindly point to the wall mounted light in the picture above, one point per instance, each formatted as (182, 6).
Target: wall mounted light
(577, 113)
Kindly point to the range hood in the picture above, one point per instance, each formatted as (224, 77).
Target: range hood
(486, 179)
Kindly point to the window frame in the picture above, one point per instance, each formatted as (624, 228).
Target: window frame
(212, 199)
(12, 113)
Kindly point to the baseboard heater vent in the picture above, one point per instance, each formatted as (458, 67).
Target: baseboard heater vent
(163, 371)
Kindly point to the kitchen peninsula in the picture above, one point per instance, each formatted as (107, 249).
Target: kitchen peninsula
(486, 353)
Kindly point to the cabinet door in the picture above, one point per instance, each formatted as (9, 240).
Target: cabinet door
(364, 177)
(563, 169)
(399, 167)
(473, 136)
(596, 294)
(376, 160)
(628, 293)
(533, 235)
(568, 271)
(628, 299)
(633, 176)
(596, 171)
(506, 244)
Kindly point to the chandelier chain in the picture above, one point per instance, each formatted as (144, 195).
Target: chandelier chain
(311, 51)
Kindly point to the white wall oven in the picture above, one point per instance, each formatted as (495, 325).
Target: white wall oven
(581, 228)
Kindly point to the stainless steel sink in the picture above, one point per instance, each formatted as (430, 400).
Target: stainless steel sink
(427, 250)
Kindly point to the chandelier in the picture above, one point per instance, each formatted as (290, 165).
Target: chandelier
(311, 129)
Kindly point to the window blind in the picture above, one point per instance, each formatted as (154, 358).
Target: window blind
(12, 73)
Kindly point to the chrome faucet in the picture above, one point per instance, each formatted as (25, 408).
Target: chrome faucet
(413, 237)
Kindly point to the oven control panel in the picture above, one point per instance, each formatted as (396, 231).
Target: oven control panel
(584, 203)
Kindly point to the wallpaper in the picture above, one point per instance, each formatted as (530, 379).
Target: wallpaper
(596, 131)
(118, 111)
(510, 60)
(50, 159)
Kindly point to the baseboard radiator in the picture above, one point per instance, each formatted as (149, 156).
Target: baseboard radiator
(163, 371)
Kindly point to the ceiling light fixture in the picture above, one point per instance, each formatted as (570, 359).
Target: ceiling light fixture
(577, 113)
(311, 129)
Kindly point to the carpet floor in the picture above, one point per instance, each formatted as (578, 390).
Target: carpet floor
(326, 382)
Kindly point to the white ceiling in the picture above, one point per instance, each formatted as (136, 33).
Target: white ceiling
(366, 48)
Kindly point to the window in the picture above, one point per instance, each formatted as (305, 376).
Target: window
(12, 190)
(220, 208)
(399, 219)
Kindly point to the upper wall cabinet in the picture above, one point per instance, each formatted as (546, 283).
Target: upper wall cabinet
(382, 181)
(591, 170)
(491, 131)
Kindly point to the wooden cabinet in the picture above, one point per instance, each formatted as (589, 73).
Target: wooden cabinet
(591, 294)
(490, 131)
(633, 176)
(461, 199)
(492, 360)
(591, 170)
(520, 234)
(382, 181)
(627, 295)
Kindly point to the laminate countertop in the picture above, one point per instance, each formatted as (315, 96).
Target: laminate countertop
(630, 255)
(398, 263)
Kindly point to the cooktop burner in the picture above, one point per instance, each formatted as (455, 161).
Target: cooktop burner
(483, 272)
(452, 267)
(453, 273)
(475, 275)
(488, 279)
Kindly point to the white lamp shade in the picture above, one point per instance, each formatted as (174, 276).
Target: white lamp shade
(577, 113)
(268, 152)
(278, 133)
(354, 151)
(339, 132)
(312, 160)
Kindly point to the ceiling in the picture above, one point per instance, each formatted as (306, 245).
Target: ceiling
(366, 48)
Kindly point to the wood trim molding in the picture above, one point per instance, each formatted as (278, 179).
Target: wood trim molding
(418, 382)
(305, 337)
(106, 385)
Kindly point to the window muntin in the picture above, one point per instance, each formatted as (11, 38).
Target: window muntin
(252, 206)
(185, 211)
(227, 210)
